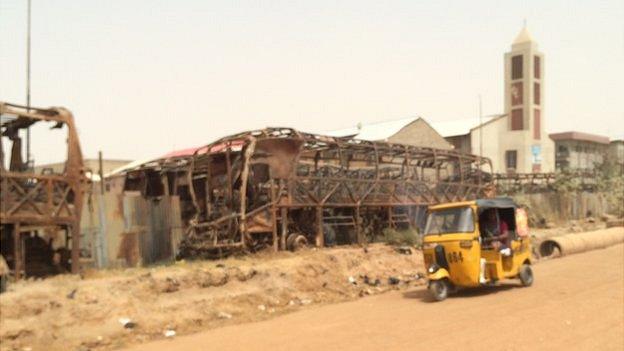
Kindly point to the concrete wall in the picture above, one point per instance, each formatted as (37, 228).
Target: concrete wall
(461, 143)
(491, 145)
(498, 138)
(560, 207)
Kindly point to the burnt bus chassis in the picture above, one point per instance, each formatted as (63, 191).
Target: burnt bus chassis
(283, 188)
(31, 203)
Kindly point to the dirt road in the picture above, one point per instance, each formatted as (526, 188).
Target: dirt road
(576, 303)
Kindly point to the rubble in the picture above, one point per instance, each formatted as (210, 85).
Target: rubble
(127, 323)
(224, 315)
(404, 250)
(283, 282)
(393, 280)
(72, 294)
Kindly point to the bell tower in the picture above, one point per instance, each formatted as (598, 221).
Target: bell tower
(524, 77)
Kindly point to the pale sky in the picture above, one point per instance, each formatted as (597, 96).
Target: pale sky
(146, 77)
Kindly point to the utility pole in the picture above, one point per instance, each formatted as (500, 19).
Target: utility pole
(480, 140)
(28, 85)
(480, 128)
(100, 242)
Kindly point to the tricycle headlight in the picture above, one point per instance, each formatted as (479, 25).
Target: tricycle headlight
(433, 268)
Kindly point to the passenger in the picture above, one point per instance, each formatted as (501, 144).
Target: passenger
(496, 232)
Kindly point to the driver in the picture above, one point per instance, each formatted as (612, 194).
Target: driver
(495, 231)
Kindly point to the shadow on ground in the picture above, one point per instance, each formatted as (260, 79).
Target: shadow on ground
(423, 293)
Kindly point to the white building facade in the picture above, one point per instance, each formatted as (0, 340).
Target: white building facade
(524, 146)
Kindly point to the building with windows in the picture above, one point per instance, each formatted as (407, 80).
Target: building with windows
(616, 152)
(579, 151)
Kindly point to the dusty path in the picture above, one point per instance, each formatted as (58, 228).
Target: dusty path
(576, 303)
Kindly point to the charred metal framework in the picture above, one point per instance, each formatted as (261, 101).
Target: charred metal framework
(283, 188)
(39, 204)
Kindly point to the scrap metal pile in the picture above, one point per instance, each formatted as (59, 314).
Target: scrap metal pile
(282, 188)
(37, 209)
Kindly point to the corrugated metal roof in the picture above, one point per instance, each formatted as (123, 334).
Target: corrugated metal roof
(574, 135)
(182, 152)
(129, 166)
(386, 129)
(459, 126)
(372, 131)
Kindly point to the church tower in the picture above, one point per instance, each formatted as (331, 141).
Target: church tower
(524, 78)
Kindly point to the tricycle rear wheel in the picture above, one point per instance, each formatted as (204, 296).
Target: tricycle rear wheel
(526, 275)
(439, 289)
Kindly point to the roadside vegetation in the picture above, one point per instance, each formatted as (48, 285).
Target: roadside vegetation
(401, 237)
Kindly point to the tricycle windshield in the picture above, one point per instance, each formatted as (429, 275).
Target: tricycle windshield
(450, 220)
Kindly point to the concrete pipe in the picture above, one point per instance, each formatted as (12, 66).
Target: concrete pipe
(573, 243)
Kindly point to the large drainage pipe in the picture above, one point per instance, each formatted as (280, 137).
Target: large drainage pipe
(573, 243)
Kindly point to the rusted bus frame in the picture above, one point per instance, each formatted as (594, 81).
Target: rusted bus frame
(47, 212)
(50, 186)
(409, 157)
(371, 185)
(324, 142)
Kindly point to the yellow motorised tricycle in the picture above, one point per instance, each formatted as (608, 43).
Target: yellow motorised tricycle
(474, 243)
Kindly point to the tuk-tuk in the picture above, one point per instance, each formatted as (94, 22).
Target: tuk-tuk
(476, 243)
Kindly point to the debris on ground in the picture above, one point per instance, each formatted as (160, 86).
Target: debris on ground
(224, 315)
(127, 323)
(191, 296)
(615, 223)
(369, 281)
(404, 250)
(169, 333)
(72, 294)
(393, 280)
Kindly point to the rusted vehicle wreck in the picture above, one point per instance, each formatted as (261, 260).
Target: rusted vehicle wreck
(39, 213)
(282, 188)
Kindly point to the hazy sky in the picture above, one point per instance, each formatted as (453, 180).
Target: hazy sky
(146, 77)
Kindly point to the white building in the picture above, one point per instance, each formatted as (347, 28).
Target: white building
(515, 141)
(411, 131)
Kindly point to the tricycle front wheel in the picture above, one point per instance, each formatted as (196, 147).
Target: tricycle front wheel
(439, 289)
